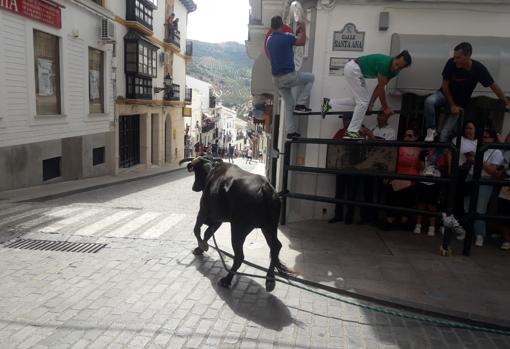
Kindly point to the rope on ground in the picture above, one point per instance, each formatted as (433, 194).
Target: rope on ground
(445, 323)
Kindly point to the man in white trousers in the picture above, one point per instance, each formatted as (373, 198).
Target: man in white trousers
(374, 66)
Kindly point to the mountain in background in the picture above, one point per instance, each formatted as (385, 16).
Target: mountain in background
(228, 68)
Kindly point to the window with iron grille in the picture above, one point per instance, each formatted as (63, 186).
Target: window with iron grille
(52, 168)
(140, 66)
(140, 11)
(138, 87)
(98, 156)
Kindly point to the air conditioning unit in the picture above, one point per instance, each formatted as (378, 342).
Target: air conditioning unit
(107, 32)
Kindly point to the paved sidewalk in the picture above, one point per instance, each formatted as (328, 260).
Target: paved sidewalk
(394, 266)
(49, 191)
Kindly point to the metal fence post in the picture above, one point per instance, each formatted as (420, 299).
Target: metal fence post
(285, 180)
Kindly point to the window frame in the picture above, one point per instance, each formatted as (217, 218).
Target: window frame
(56, 67)
(101, 81)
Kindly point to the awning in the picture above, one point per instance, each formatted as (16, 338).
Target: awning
(430, 53)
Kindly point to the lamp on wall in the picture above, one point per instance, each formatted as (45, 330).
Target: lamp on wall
(167, 82)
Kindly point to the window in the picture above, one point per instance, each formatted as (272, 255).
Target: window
(99, 2)
(47, 73)
(96, 81)
(140, 11)
(98, 156)
(51, 168)
(147, 63)
(139, 87)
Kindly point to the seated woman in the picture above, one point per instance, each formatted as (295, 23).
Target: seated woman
(401, 192)
(428, 193)
(492, 160)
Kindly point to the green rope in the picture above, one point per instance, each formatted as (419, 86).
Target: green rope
(387, 311)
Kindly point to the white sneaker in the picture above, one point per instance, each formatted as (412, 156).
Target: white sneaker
(479, 241)
(431, 231)
(431, 134)
(417, 229)
(505, 246)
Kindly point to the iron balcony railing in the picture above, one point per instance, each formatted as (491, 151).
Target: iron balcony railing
(188, 94)
(173, 93)
(172, 36)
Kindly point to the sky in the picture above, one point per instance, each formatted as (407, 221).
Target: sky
(219, 21)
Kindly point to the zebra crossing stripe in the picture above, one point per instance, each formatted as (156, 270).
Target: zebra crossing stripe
(162, 226)
(18, 216)
(48, 216)
(55, 227)
(131, 226)
(14, 209)
(96, 227)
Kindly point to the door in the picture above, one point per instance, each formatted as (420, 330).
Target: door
(129, 140)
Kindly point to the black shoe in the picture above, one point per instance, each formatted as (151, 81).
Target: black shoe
(293, 135)
(301, 109)
(336, 219)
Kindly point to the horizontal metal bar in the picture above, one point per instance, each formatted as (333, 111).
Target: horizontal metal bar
(369, 174)
(370, 142)
(504, 146)
(347, 113)
(360, 204)
(488, 181)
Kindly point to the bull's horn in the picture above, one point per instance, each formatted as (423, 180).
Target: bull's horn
(185, 160)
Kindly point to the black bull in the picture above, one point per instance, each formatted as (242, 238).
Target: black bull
(246, 200)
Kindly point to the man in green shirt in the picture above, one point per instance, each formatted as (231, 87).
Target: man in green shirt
(375, 66)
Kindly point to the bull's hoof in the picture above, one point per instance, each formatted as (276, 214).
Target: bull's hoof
(445, 252)
(203, 245)
(270, 285)
(198, 251)
(224, 282)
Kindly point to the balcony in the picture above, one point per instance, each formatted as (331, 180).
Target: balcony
(188, 95)
(174, 93)
(173, 36)
(212, 102)
(189, 48)
(140, 11)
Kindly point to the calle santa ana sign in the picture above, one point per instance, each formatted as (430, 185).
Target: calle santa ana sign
(348, 39)
(42, 11)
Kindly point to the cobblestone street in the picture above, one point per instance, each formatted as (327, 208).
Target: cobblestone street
(146, 289)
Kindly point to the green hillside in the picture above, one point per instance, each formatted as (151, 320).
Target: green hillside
(227, 67)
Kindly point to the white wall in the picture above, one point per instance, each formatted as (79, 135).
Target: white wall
(405, 18)
(20, 124)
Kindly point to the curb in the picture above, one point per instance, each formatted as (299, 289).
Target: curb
(97, 186)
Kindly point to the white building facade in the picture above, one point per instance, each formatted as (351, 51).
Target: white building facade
(67, 109)
(339, 30)
(56, 105)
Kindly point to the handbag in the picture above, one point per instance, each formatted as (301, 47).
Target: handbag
(399, 184)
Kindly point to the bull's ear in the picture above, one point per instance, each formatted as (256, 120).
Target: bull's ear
(190, 167)
(227, 183)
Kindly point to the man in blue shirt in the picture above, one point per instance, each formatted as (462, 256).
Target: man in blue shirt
(280, 48)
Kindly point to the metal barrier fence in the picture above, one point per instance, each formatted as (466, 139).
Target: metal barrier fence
(478, 180)
(451, 180)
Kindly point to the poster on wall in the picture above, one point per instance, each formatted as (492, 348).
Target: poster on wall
(336, 66)
(348, 39)
(94, 84)
(45, 77)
